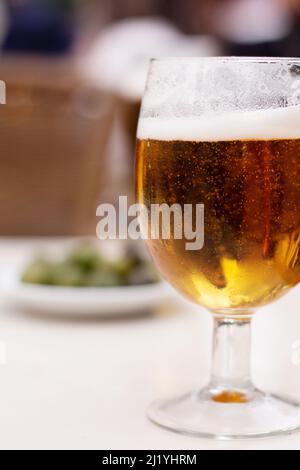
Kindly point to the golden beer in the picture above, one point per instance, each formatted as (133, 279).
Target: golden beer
(218, 151)
(251, 195)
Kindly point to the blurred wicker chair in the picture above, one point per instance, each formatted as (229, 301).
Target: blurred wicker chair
(53, 134)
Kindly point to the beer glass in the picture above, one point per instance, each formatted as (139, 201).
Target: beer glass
(224, 133)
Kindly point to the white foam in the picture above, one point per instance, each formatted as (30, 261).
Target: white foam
(281, 123)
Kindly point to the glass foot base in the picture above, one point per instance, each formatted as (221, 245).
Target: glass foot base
(227, 415)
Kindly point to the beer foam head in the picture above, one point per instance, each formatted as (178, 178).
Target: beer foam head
(281, 123)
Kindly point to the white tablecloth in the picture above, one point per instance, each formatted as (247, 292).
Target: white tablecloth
(85, 384)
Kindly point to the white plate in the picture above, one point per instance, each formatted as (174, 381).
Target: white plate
(102, 301)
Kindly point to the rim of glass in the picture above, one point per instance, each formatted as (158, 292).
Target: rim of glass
(258, 59)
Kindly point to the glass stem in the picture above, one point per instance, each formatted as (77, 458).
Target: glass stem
(231, 367)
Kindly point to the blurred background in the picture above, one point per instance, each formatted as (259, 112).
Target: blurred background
(75, 72)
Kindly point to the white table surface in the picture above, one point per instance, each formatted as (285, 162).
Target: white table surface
(85, 384)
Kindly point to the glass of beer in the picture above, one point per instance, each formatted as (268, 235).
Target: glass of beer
(223, 134)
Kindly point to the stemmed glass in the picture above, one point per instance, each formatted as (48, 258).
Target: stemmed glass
(224, 133)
